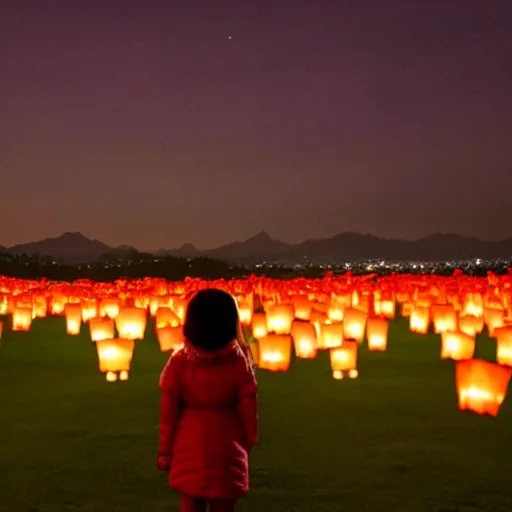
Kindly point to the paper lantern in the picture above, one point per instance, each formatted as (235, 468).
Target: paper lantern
(344, 360)
(304, 339)
(245, 309)
(259, 325)
(318, 318)
(419, 320)
(470, 324)
(21, 319)
(131, 323)
(110, 307)
(180, 308)
(73, 313)
(504, 345)
(115, 358)
(444, 318)
(166, 317)
(354, 324)
(457, 345)
(1, 328)
(481, 385)
(494, 318)
(331, 335)
(101, 329)
(57, 304)
(302, 306)
(275, 351)
(377, 334)
(89, 310)
(280, 318)
(170, 338)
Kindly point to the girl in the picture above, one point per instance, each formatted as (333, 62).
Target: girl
(209, 419)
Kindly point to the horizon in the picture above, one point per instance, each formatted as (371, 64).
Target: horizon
(204, 249)
(147, 122)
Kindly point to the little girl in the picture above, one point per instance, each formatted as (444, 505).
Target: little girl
(209, 418)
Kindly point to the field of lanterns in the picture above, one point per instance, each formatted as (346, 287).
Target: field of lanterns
(378, 393)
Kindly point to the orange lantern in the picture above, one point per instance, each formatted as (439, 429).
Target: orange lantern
(259, 325)
(21, 319)
(344, 360)
(419, 320)
(494, 318)
(166, 317)
(89, 310)
(73, 313)
(470, 324)
(304, 339)
(457, 345)
(275, 351)
(170, 338)
(131, 323)
(115, 358)
(302, 306)
(481, 385)
(377, 334)
(444, 318)
(354, 324)
(280, 318)
(331, 335)
(57, 304)
(245, 309)
(1, 328)
(504, 345)
(110, 307)
(101, 329)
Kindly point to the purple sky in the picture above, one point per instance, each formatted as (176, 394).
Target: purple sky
(141, 122)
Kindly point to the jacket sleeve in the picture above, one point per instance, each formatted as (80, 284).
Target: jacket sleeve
(248, 404)
(170, 408)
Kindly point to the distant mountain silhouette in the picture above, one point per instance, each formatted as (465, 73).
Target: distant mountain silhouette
(356, 247)
(69, 247)
(77, 248)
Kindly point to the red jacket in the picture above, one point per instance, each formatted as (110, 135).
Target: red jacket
(209, 421)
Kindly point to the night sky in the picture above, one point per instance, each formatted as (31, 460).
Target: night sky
(154, 123)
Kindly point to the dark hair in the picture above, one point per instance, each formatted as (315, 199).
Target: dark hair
(211, 321)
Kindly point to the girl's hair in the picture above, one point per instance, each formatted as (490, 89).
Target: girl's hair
(211, 321)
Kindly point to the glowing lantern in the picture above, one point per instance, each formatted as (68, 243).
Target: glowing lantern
(89, 310)
(387, 308)
(354, 324)
(406, 309)
(73, 314)
(494, 318)
(280, 318)
(331, 335)
(302, 306)
(470, 324)
(318, 318)
(115, 358)
(444, 318)
(377, 334)
(344, 360)
(57, 303)
(110, 307)
(170, 338)
(275, 351)
(101, 329)
(131, 323)
(304, 339)
(259, 325)
(166, 317)
(419, 320)
(504, 345)
(457, 345)
(180, 308)
(245, 309)
(1, 328)
(21, 319)
(481, 385)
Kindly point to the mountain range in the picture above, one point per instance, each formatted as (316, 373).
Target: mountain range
(77, 248)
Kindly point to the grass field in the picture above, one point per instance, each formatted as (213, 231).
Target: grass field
(392, 440)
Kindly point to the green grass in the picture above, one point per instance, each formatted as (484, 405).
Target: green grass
(392, 440)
